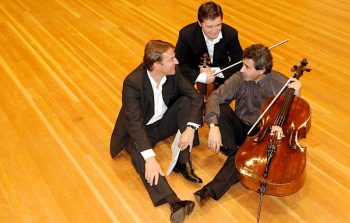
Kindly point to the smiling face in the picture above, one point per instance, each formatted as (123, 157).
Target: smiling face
(211, 27)
(168, 63)
(249, 72)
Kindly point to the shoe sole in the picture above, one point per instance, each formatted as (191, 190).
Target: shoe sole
(179, 215)
(199, 200)
(189, 208)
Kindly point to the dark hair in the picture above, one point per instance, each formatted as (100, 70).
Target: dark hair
(209, 10)
(154, 52)
(261, 56)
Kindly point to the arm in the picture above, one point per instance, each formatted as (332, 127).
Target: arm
(134, 118)
(152, 170)
(195, 116)
(188, 64)
(183, 53)
(226, 93)
(134, 115)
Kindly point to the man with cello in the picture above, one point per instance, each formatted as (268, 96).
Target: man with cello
(249, 88)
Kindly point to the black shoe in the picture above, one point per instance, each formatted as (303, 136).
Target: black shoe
(187, 171)
(202, 195)
(179, 210)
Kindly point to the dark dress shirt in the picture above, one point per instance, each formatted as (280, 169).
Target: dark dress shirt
(249, 96)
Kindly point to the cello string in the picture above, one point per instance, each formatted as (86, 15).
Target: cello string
(268, 107)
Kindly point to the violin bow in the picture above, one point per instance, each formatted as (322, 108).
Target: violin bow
(228, 67)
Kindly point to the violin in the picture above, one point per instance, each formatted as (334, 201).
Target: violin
(272, 162)
(205, 89)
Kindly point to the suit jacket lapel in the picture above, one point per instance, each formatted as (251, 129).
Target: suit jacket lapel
(166, 91)
(217, 52)
(219, 49)
(200, 41)
(147, 89)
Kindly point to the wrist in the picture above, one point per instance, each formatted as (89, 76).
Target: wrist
(213, 125)
(151, 158)
(191, 126)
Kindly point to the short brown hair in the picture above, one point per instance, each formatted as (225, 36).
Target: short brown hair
(261, 56)
(209, 10)
(154, 52)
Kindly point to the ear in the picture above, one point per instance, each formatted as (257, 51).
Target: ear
(262, 71)
(156, 65)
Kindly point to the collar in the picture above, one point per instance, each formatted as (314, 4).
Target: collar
(263, 81)
(214, 41)
(153, 82)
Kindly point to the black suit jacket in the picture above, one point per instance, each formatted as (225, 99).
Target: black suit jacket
(138, 107)
(191, 46)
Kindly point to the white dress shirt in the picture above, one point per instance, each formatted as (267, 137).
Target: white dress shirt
(202, 77)
(159, 109)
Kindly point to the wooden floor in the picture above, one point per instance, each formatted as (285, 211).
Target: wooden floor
(62, 64)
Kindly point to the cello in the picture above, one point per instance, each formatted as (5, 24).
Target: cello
(272, 162)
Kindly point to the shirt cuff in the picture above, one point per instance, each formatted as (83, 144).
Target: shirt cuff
(217, 69)
(193, 124)
(147, 153)
(202, 78)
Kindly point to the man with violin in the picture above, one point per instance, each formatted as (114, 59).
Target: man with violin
(249, 88)
(208, 45)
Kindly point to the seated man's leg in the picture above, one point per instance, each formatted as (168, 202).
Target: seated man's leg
(231, 128)
(176, 118)
(162, 192)
(232, 136)
(158, 193)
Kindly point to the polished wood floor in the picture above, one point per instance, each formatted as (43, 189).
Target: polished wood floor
(62, 65)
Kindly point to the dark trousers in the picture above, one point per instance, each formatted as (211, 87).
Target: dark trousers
(233, 133)
(174, 118)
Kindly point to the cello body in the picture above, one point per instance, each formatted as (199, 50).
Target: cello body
(286, 169)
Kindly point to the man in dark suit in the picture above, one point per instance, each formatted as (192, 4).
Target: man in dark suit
(157, 101)
(208, 37)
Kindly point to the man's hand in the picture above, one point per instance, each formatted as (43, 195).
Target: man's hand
(214, 139)
(186, 139)
(296, 85)
(152, 171)
(209, 72)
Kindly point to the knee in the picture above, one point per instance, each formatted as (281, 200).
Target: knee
(225, 111)
(184, 101)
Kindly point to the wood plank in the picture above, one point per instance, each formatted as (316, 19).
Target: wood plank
(62, 66)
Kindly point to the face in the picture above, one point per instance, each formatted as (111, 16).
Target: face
(211, 28)
(167, 65)
(249, 72)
